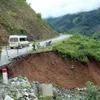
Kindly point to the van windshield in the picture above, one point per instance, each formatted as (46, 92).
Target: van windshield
(13, 39)
(23, 39)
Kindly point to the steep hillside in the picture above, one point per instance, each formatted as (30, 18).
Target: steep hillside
(17, 17)
(70, 64)
(85, 23)
(49, 67)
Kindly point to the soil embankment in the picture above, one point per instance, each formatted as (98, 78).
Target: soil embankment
(50, 68)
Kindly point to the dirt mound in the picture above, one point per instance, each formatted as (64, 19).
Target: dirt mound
(50, 68)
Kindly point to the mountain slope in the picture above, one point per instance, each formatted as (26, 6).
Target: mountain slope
(85, 22)
(49, 67)
(17, 17)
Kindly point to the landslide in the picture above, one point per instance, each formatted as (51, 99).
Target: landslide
(17, 17)
(49, 67)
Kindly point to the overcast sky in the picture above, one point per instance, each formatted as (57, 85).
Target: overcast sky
(55, 8)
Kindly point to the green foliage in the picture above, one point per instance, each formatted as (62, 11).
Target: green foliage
(21, 0)
(12, 13)
(96, 35)
(17, 17)
(92, 92)
(12, 29)
(39, 15)
(76, 20)
(20, 77)
(79, 48)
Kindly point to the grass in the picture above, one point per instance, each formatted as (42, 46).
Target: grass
(43, 49)
(80, 48)
(17, 17)
(46, 48)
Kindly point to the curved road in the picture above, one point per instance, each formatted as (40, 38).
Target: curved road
(8, 54)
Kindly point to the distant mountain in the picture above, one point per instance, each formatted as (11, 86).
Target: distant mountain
(17, 17)
(85, 22)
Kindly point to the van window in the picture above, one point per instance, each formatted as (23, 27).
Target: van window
(13, 39)
(23, 39)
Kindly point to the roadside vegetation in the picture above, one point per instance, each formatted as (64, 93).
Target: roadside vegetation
(92, 92)
(43, 49)
(80, 48)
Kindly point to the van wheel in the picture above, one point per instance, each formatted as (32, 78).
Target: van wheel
(11, 47)
(21, 47)
(28, 45)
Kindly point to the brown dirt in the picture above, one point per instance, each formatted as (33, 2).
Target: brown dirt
(50, 68)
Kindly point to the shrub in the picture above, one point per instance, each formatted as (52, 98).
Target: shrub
(21, 0)
(39, 15)
(12, 13)
(92, 92)
(79, 48)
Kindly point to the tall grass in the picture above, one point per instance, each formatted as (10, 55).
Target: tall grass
(80, 48)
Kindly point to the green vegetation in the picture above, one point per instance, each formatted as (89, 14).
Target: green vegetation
(96, 35)
(43, 49)
(80, 48)
(12, 13)
(17, 17)
(21, 0)
(86, 23)
(92, 92)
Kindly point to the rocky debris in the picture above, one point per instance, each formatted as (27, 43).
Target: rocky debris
(19, 88)
(8, 98)
(67, 94)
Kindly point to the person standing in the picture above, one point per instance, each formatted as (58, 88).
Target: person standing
(33, 45)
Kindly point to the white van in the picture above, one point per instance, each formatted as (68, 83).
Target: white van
(18, 41)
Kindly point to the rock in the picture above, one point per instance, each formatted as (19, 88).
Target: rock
(47, 90)
(32, 95)
(36, 99)
(26, 94)
(21, 89)
(19, 95)
(8, 98)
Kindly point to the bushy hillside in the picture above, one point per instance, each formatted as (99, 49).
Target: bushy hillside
(80, 48)
(85, 23)
(17, 17)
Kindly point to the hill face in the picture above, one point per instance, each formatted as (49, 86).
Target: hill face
(85, 23)
(17, 17)
(49, 67)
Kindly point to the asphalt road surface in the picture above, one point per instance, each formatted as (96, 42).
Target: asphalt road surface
(8, 54)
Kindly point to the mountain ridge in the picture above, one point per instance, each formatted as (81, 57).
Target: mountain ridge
(86, 23)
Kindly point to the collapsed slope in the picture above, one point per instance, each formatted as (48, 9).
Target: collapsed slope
(51, 68)
(17, 17)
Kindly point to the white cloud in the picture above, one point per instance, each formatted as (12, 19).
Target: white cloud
(56, 8)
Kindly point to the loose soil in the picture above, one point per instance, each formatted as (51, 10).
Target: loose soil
(49, 67)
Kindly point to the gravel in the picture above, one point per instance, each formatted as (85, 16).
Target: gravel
(19, 88)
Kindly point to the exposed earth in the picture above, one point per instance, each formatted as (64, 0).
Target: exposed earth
(49, 67)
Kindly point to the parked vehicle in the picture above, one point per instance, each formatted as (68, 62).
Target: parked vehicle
(18, 41)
